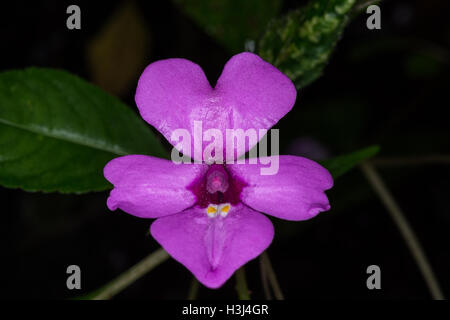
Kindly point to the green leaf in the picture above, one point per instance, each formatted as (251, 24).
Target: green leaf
(57, 132)
(231, 22)
(341, 164)
(301, 42)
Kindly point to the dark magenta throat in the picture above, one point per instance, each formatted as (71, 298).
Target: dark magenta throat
(217, 186)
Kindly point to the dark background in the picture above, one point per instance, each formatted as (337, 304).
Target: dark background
(387, 87)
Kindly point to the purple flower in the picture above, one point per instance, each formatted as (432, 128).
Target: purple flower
(209, 217)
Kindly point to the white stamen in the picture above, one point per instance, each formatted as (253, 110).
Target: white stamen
(213, 210)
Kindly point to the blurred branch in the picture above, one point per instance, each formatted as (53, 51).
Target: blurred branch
(411, 161)
(132, 274)
(193, 289)
(241, 285)
(405, 229)
(271, 276)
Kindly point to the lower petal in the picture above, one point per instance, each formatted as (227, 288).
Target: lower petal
(213, 248)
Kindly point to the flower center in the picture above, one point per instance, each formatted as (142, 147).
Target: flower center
(216, 180)
(217, 191)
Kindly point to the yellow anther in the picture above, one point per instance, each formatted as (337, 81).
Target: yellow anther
(212, 210)
(224, 208)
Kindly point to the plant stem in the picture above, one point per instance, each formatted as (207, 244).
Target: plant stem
(241, 285)
(272, 276)
(405, 229)
(411, 161)
(132, 274)
(264, 279)
(193, 289)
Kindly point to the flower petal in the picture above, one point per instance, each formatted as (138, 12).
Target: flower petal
(259, 94)
(296, 192)
(169, 94)
(150, 187)
(213, 248)
(250, 93)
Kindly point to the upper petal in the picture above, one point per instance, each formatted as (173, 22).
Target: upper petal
(169, 94)
(250, 93)
(295, 192)
(259, 94)
(150, 187)
(213, 248)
